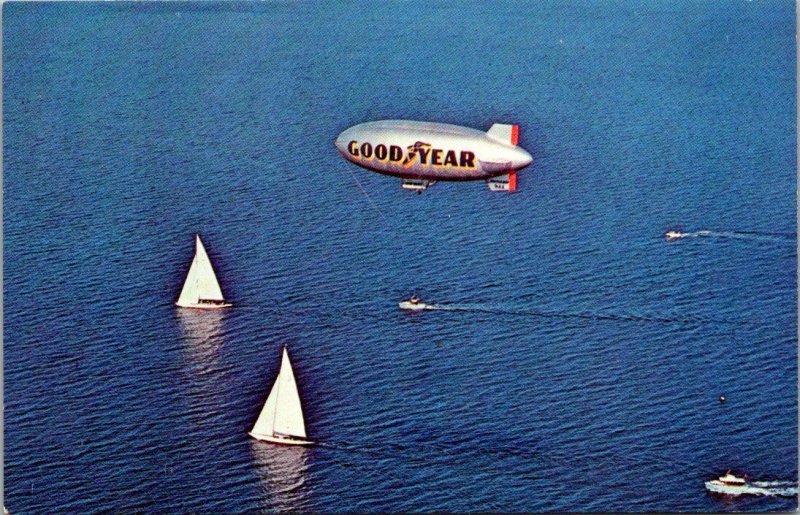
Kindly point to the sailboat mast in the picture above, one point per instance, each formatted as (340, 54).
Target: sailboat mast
(275, 410)
(277, 398)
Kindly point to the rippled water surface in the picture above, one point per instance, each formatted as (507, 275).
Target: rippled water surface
(575, 358)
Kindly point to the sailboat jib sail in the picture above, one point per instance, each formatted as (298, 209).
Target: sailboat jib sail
(281, 418)
(201, 288)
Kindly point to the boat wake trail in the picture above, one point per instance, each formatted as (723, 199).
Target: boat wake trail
(510, 311)
(771, 488)
(782, 488)
(768, 484)
(740, 235)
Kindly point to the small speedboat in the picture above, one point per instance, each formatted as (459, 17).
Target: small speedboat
(727, 484)
(414, 303)
(674, 235)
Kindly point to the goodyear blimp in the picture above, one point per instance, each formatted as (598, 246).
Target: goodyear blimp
(421, 153)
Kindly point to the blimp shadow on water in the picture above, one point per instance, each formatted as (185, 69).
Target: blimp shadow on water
(421, 153)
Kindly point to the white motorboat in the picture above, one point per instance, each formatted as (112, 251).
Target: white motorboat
(201, 289)
(674, 235)
(281, 419)
(727, 484)
(414, 303)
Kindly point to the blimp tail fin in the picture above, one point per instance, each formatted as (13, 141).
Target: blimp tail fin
(503, 133)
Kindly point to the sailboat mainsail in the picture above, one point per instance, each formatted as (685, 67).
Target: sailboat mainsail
(201, 289)
(281, 418)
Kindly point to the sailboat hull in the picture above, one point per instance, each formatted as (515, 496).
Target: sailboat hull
(204, 306)
(281, 440)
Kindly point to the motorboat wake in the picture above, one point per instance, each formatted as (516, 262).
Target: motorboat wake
(736, 235)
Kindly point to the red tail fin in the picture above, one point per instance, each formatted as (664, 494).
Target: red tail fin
(512, 180)
(504, 133)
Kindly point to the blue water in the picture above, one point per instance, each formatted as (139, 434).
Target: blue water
(578, 359)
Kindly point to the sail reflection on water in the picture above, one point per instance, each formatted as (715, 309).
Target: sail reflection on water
(282, 472)
(203, 335)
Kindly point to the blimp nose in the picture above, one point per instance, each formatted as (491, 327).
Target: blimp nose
(343, 140)
(339, 142)
(521, 158)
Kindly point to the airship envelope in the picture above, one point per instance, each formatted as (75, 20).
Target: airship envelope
(422, 153)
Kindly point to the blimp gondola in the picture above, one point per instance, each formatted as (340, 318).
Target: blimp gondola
(422, 153)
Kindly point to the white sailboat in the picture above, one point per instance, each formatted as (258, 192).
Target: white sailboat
(201, 289)
(281, 418)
